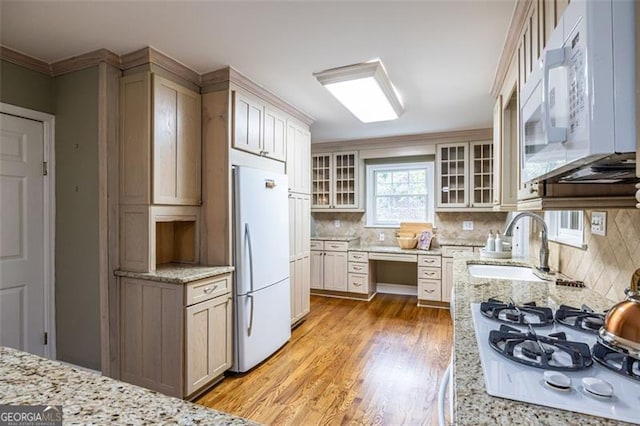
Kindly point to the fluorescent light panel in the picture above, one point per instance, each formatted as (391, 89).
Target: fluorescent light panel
(365, 90)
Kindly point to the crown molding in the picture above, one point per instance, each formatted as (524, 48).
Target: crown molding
(467, 135)
(86, 60)
(520, 12)
(149, 55)
(26, 61)
(221, 78)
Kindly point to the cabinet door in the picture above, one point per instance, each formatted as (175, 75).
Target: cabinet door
(317, 270)
(247, 123)
(292, 226)
(176, 144)
(345, 180)
(451, 175)
(300, 282)
(335, 271)
(447, 278)
(208, 341)
(321, 165)
(497, 149)
(293, 282)
(298, 158)
(304, 278)
(481, 174)
(275, 128)
(151, 333)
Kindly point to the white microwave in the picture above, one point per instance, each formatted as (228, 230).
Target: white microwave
(577, 109)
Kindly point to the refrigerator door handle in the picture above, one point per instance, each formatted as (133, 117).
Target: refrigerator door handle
(248, 237)
(250, 328)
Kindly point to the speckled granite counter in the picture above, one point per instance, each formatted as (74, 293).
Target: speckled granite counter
(472, 405)
(459, 242)
(88, 398)
(347, 239)
(178, 273)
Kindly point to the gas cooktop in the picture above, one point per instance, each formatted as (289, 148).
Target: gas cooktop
(553, 364)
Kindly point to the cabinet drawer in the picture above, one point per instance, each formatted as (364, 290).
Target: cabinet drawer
(358, 256)
(207, 289)
(429, 273)
(449, 251)
(392, 257)
(432, 261)
(336, 245)
(429, 290)
(359, 268)
(358, 283)
(316, 245)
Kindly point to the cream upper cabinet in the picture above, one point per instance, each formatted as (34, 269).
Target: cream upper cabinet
(160, 153)
(248, 119)
(464, 176)
(298, 158)
(335, 181)
(257, 127)
(275, 134)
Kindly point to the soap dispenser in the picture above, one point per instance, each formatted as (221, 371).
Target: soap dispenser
(491, 242)
(498, 242)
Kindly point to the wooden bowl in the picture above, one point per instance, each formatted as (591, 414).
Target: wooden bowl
(407, 242)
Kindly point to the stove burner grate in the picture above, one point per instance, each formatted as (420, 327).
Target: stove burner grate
(583, 319)
(553, 352)
(510, 313)
(616, 360)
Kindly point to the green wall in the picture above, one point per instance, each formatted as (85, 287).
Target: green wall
(26, 88)
(77, 249)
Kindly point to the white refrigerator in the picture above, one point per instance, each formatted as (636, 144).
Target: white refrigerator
(262, 314)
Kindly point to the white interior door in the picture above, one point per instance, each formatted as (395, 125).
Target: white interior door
(22, 310)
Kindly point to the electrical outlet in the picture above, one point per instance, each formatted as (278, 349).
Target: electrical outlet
(381, 236)
(599, 223)
(336, 223)
(467, 225)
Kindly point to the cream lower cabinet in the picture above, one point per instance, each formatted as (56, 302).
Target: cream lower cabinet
(429, 279)
(329, 265)
(175, 338)
(447, 268)
(208, 341)
(299, 254)
(300, 278)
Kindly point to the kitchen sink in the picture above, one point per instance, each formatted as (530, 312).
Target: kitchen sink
(503, 272)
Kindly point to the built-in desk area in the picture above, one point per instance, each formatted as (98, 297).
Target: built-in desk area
(342, 267)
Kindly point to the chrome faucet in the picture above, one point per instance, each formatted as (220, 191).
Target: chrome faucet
(544, 248)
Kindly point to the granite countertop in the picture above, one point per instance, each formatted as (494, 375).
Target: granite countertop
(348, 238)
(396, 249)
(88, 398)
(460, 242)
(472, 405)
(177, 273)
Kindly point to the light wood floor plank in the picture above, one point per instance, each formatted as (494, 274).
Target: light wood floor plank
(350, 362)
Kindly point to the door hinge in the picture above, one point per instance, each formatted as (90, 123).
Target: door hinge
(46, 338)
(45, 168)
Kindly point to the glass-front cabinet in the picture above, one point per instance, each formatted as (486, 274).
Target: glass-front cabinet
(464, 176)
(334, 180)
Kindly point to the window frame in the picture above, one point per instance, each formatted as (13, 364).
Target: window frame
(562, 235)
(371, 169)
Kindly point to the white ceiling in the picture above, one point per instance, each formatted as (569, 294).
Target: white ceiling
(441, 55)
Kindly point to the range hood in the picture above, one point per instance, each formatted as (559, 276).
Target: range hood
(615, 168)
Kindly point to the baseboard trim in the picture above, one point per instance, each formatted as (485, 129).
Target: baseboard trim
(338, 295)
(407, 290)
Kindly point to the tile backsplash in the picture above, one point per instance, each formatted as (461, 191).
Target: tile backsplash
(608, 262)
(449, 226)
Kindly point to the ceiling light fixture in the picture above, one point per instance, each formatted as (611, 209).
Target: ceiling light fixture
(365, 89)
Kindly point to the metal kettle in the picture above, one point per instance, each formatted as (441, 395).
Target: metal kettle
(621, 328)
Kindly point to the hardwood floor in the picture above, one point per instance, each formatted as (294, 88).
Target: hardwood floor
(350, 362)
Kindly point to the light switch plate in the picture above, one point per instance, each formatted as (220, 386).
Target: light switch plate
(381, 236)
(599, 223)
(336, 223)
(467, 225)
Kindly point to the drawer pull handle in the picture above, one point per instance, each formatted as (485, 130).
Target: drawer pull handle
(429, 273)
(429, 291)
(357, 268)
(334, 246)
(357, 284)
(357, 257)
(210, 290)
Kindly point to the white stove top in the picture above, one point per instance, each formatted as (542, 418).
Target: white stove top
(508, 379)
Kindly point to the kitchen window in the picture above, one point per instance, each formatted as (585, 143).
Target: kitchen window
(399, 192)
(566, 227)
